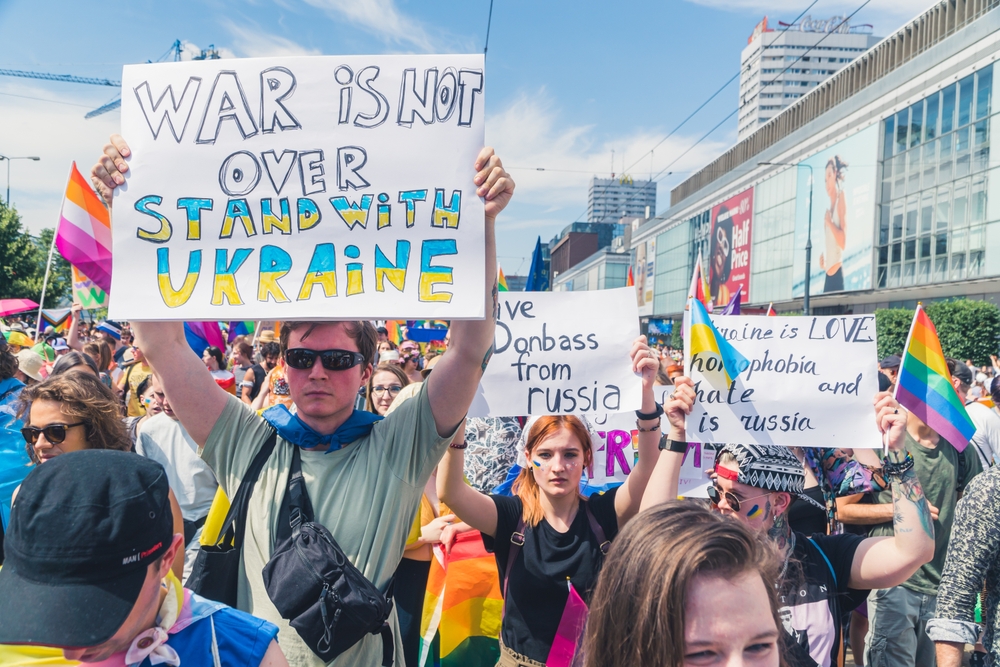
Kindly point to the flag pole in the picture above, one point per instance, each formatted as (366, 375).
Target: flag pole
(45, 284)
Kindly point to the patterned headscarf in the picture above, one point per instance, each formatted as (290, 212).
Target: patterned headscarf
(769, 467)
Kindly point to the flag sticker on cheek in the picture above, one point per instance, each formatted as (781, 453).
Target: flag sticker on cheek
(755, 512)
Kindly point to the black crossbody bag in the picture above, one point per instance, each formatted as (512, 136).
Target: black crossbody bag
(315, 587)
(215, 573)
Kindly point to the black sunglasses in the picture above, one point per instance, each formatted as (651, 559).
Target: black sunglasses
(333, 360)
(734, 503)
(54, 433)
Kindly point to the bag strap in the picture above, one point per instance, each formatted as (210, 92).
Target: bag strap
(828, 563)
(233, 528)
(300, 508)
(598, 530)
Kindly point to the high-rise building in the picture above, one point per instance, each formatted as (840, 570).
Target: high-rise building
(767, 87)
(610, 199)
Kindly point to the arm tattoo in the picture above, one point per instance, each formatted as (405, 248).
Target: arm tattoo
(907, 488)
(486, 359)
(496, 304)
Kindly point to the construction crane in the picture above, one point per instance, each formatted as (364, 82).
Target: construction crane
(173, 53)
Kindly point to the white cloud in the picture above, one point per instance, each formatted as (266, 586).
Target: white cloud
(381, 18)
(531, 133)
(252, 42)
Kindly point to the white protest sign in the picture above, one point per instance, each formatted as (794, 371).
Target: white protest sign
(301, 188)
(807, 382)
(562, 353)
(616, 449)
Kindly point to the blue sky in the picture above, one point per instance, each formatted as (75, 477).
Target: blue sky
(568, 83)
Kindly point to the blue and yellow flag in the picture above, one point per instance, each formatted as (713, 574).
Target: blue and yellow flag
(706, 338)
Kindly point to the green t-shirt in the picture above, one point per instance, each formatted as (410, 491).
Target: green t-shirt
(366, 494)
(937, 471)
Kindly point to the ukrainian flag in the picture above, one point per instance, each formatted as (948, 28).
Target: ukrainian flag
(705, 337)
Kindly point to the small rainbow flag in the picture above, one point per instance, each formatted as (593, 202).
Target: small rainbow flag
(395, 331)
(700, 289)
(630, 281)
(502, 282)
(84, 233)
(924, 385)
(463, 604)
(705, 337)
(237, 328)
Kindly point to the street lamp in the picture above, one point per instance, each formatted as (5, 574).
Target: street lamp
(8, 159)
(809, 229)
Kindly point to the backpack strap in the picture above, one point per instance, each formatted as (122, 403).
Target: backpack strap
(233, 528)
(828, 563)
(963, 468)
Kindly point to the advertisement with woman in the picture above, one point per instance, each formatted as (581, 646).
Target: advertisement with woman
(843, 216)
(729, 248)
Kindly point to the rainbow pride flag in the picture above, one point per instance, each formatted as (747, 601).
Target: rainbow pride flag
(84, 233)
(200, 335)
(924, 385)
(395, 331)
(237, 328)
(700, 289)
(705, 337)
(463, 604)
(502, 282)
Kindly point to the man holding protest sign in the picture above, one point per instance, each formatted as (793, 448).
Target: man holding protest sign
(755, 484)
(364, 477)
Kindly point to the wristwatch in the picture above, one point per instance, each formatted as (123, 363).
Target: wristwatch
(677, 446)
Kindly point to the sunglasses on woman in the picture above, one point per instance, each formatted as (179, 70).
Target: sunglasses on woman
(302, 359)
(734, 503)
(54, 433)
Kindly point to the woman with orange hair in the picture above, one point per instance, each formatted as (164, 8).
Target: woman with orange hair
(549, 541)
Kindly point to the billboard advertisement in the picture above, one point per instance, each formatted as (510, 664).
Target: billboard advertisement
(645, 267)
(729, 248)
(843, 216)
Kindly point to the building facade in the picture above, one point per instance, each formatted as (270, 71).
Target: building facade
(778, 67)
(604, 269)
(610, 199)
(885, 167)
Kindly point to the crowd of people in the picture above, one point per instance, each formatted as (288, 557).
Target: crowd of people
(280, 502)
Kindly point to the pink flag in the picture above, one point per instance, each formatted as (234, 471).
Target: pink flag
(84, 234)
(574, 618)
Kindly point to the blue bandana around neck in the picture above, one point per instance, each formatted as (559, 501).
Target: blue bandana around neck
(297, 432)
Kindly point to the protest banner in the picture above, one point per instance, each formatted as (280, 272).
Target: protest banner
(615, 453)
(805, 382)
(562, 353)
(301, 188)
(87, 293)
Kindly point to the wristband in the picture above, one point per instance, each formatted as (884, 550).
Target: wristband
(893, 469)
(646, 416)
(677, 446)
(654, 427)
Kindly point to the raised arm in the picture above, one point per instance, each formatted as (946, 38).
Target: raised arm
(192, 392)
(667, 474)
(194, 396)
(883, 562)
(629, 496)
(73, 335)
(472, 507)
(452, 385)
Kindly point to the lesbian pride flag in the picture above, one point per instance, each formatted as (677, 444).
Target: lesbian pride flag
(924, 385)
(84, 234)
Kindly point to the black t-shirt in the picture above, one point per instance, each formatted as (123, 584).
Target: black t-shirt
(814, 598)
(804, 517)
(537, 592)
(258, 379)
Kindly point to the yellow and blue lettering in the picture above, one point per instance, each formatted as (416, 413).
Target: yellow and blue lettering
(355, 283)
(269, 221)
(322, 271)
(171, 297)
(237, 209)
(384, 211)
(274, 263)
(309, 215)
(350, 212)
(435, 275)
(410, 198)
(446, 216)
(395, 273)
(224, 285)
(166, 230)
(194, 206)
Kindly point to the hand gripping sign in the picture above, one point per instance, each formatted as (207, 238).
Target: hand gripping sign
(301, 188)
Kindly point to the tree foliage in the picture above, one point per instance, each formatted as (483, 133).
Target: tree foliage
(22, 263)
(967, 329)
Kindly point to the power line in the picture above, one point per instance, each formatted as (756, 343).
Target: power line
(489, 22)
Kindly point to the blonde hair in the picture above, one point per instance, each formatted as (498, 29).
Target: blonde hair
(525, 487)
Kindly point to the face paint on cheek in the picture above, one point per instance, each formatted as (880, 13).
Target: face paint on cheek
(537, 464)
(755, 512)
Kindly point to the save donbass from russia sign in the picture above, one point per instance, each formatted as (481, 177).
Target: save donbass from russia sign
(801, 382)
(297, 188)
